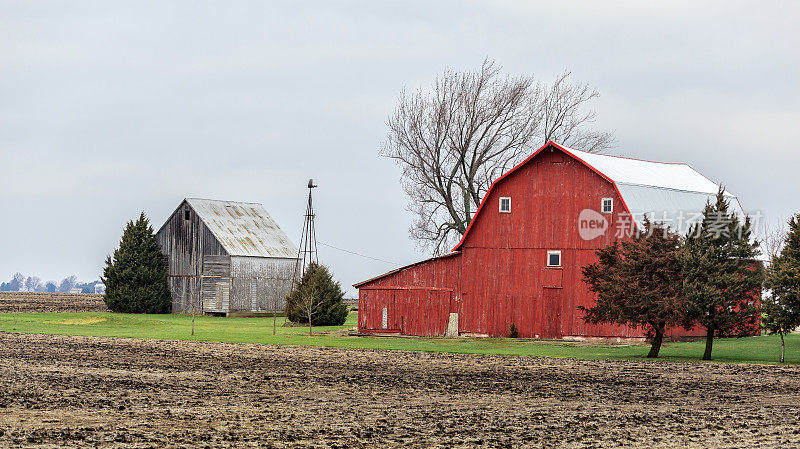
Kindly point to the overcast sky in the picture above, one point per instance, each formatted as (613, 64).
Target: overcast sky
(111, 108)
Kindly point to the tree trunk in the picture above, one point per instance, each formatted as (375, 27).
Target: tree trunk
(655, 346)
(709, 343)
(783, 348)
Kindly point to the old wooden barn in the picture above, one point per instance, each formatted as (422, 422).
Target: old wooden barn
(520, 259)
(226, 257)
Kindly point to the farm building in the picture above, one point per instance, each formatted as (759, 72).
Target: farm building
(519, 261)
(227, 257)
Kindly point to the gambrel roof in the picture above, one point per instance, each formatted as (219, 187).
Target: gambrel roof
(674, 193)
(244, 229)
(658, 188)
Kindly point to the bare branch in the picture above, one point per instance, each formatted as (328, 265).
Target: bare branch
(454, 140)
(773, 239)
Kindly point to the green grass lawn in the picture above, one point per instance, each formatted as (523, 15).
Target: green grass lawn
(764, 349)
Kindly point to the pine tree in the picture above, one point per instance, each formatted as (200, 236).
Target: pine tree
(637, 283)
(317, 297)
(782, 304)
(136, 276)
(721, 278)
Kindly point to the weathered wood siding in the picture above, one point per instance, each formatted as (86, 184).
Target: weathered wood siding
(186, 243)
(203, 273)
(216, 283)
(260, 283)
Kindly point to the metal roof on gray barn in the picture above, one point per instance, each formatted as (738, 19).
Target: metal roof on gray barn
(244, 229)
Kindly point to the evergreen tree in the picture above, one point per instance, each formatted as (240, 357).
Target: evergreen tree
(782, 304)
(637, 283)
(721, 278)
(136, 276)
(317, 297)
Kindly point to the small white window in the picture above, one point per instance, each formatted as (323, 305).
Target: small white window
(505, 204)
(384, 318)
(554, 258)
(608, 205)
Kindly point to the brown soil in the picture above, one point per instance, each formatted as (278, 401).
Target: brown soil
(82, 391)
(31, 302)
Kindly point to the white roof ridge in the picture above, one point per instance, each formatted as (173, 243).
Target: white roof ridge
(630, 158)
(725, 192)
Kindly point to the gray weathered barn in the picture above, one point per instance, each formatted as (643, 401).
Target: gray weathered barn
(228, 256)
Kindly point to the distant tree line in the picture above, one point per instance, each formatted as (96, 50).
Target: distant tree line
(20, 283)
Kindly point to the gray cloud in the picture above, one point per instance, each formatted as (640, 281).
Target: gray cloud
(109, 108)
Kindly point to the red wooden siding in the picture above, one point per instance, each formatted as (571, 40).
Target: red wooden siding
(500, 276)
(520, 289)
(546, 198)
(418, 299)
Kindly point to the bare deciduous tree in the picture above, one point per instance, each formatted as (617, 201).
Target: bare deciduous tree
(309, 305)
(773, 238)
(453, 141)
(17, 282)
(33, 283)
(67, 284)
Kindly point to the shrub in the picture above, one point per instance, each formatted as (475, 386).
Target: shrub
(317, 296)
(512, 333)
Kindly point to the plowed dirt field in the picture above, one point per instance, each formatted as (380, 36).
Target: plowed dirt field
(83, 391)
(35, 302)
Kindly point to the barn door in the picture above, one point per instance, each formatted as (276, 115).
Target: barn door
(552, 312)
(389, 313)
(395, 312)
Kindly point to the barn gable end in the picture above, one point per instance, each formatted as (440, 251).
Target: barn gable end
(226, 256)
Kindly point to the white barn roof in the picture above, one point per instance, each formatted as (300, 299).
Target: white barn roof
(244, 229)
(670, 192)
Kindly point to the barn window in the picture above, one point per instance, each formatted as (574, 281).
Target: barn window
(505, 204)
(608, 205)
(186, 215)
(554, 258)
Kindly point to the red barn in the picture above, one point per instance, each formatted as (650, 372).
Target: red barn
(520, 260)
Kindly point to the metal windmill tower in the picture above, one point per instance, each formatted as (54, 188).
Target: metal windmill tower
(307, 252)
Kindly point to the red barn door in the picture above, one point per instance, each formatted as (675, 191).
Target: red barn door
(552, 312)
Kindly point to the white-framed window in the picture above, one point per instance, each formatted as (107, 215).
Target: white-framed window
(554, 258)
(505, 204)
(607, 205)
